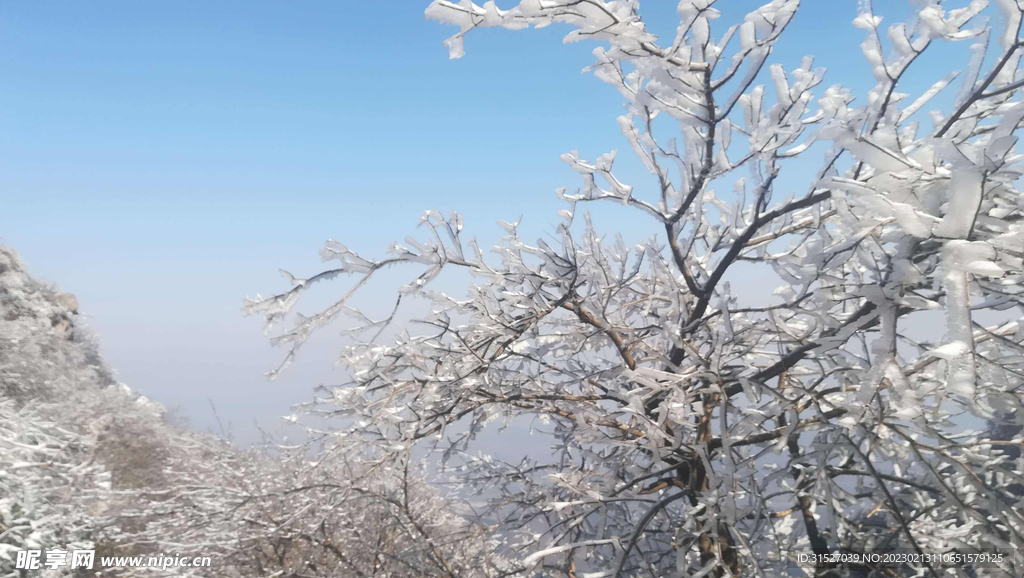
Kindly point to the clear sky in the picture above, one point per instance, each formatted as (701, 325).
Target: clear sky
(161, 160)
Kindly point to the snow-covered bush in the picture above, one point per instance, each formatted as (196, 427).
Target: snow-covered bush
(694, 433)
(43, 469)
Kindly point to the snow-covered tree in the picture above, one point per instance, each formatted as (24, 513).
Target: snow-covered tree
(693, 433)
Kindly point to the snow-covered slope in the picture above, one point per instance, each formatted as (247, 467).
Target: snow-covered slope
(74, 444)
(85, 463)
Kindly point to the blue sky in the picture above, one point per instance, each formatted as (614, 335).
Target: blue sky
(163, 160)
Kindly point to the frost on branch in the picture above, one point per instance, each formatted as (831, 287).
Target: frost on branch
(693, 432)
